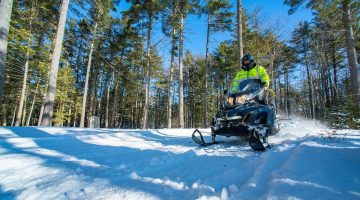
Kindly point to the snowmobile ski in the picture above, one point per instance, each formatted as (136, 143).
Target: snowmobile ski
(200, 139)
(256, 144)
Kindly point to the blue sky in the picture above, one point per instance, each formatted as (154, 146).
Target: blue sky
(271, 12)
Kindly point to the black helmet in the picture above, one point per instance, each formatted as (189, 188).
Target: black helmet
(247, 61)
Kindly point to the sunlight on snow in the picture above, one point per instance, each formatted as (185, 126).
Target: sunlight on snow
(34, 180)
(125, 139)
(28, 145)
(316, 144)
(166, 182)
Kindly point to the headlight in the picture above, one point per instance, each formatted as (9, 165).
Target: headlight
(241, 99)
(231, 101)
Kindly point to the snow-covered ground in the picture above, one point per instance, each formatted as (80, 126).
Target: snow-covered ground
(307, 161)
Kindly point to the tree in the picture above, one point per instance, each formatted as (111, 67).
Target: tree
(150, 9)
(170, 24)
(185, 7)
(219, 18)
(150, 13)
(350, 41)
(301, 38)
(26, 68)
(239, 32)
(51, 91)
(5, 10)
(171, 73)
(351, 54)
(64, 96)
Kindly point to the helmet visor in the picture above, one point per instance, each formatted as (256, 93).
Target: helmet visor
(246, 62)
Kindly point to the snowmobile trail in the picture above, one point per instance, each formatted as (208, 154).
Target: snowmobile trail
(268, 164)
(70, 163)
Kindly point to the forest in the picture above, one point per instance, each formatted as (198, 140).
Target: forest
(68, 62)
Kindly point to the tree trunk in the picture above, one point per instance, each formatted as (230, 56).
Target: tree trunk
(50, 94)
(5, 16)
(93, 81)
(239, 32)
(302, 100)
(83, 110)
(169, 108)
(107, 103)
(24, 109)
(75, 116)
(351, 54)
(310, 84)
(181, 80)
(288, 105)
(147, 76)
(69, 118)
(280, 94)
(115, 100)
(23, 90)
(206, 72)
(335, 72)
(310, 88)
(13, 117)
(329, 80)
(48, 77)
(4, 113)
(41, 110)
(276, 92)
(325, 81)
(32, 105)
(26, 69)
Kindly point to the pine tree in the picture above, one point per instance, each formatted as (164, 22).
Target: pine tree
(350, 41)
(99, 12)
(185, 7)
(219, 18)
(239, 32)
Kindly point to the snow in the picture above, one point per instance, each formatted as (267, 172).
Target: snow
(307, 161)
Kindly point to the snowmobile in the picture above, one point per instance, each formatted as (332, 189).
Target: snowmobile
(248, 115)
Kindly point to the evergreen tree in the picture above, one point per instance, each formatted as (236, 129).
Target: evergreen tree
(185, 7)
(219, 18)
(345, 6)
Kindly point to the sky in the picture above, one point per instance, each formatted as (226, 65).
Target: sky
(271, 12)
(307, 161)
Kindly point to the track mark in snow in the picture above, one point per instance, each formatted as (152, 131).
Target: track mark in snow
(303, 183)
(266, 164)
(166, 182)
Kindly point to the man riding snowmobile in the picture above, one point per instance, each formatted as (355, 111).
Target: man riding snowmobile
(246, 112)
(249, 70)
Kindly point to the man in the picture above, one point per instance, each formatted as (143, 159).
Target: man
(249, 70)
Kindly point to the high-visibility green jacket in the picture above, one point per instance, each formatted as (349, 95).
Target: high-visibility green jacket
(258, 72)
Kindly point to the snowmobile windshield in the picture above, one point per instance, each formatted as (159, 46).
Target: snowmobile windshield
(248, 86)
